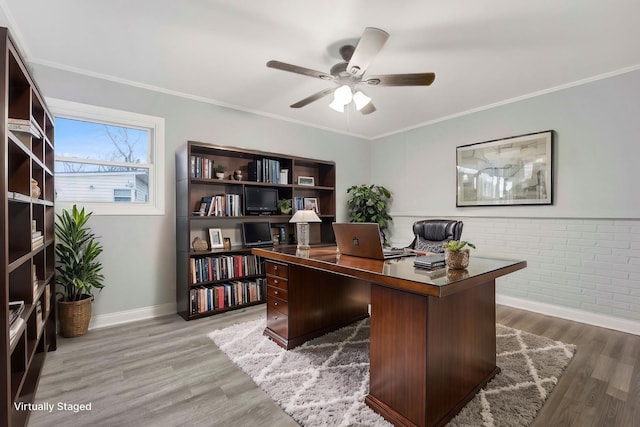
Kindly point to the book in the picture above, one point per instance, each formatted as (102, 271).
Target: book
(429, 261)
(15, 327)
(15, 310)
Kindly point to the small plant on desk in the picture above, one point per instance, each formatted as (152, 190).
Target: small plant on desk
(456, 255)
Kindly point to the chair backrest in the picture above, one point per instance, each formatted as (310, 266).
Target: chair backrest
(431, 234)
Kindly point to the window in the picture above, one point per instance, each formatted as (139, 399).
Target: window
(109, 161)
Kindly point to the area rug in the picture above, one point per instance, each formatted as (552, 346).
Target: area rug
(324, 381)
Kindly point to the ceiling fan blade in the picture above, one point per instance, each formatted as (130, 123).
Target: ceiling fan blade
(299, 70)
(416, 79)
(368, 47)
(368, 109)
(314, 97)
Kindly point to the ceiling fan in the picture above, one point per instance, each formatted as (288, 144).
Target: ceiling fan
(351, 72)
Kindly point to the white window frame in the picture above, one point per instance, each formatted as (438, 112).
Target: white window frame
(155, 125)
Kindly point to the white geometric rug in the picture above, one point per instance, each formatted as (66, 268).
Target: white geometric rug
(324, 381)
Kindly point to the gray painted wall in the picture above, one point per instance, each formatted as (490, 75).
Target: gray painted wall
(139, 256)
(584, 250)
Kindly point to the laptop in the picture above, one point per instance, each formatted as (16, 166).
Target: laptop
(362, 239)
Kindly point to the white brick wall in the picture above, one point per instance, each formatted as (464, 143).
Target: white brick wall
(590, 267)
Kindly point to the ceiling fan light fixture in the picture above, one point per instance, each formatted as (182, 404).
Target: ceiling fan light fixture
(337, 106)
(343, 95)
(361, 100)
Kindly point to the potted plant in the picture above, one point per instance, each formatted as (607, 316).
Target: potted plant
(219, 170)
(456, 255)
(78, 270)
(370, 203)
(284, 205)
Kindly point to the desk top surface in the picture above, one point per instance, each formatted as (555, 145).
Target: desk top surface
(398, 273)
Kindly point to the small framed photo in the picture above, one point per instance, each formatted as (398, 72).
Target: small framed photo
(312, 203)
(306, 180)
(215, 238)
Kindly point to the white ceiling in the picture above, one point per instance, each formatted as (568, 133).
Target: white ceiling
(483, 52)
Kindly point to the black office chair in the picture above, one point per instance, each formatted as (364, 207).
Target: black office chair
(430, 235)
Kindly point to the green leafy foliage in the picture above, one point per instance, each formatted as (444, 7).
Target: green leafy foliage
(77, 251)
(457, 245)
(370, 203)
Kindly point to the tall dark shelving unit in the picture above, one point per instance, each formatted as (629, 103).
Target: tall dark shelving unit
(191, 187)
(27, 266)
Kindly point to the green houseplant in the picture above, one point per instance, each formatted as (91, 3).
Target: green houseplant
(79, 271)
(284, 205)
(370, 203)
(456, 254)
(219, 171)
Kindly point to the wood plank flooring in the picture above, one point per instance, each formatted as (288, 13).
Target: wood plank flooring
(166, 372)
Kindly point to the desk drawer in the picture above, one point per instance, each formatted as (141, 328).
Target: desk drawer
(278, 305)
(278, 322)
(277, 293)
(277, 269)
(277, 282)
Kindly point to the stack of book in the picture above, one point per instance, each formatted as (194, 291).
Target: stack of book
(15, 321)
(429, 262)
(23, 125)
(37, 239)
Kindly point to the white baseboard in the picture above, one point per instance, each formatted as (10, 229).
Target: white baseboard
(111, 319)
(601, 320)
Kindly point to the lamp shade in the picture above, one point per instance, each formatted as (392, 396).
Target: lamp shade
(305, 215)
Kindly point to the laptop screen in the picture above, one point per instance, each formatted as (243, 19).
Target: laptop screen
(361, 239)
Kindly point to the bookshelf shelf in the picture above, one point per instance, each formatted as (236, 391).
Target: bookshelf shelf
(195, 180)
(28, 264)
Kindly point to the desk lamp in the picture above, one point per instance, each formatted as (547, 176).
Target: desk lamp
(302, 218)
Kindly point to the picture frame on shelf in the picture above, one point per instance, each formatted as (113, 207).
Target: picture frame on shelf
(298, 204)
(306, 180)
(215, 238)
(312, 203)
(517, 170)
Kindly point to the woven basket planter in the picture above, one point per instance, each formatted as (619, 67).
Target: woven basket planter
(457, 260)
(74, 316)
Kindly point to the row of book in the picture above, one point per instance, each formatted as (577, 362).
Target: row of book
(221, 205)
(268, 170)
(201, 167)
(224, 295)
(223, 267)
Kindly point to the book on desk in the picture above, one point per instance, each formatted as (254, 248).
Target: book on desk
(430, 262)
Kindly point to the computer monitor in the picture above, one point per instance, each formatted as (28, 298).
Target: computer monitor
(256, 234)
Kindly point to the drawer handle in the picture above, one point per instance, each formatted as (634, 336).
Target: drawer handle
(275, 303)
(275, 317)
(275, 267)
(275, 292)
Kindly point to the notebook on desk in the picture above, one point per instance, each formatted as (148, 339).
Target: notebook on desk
(362, 239)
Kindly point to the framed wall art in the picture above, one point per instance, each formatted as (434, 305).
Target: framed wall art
(511, 171)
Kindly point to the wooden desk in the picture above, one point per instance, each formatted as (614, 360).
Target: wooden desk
(433, 334)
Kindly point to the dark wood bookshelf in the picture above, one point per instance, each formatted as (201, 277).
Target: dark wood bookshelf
(193, 184)
(26, 155)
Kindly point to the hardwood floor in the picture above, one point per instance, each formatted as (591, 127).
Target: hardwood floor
(166, 372)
